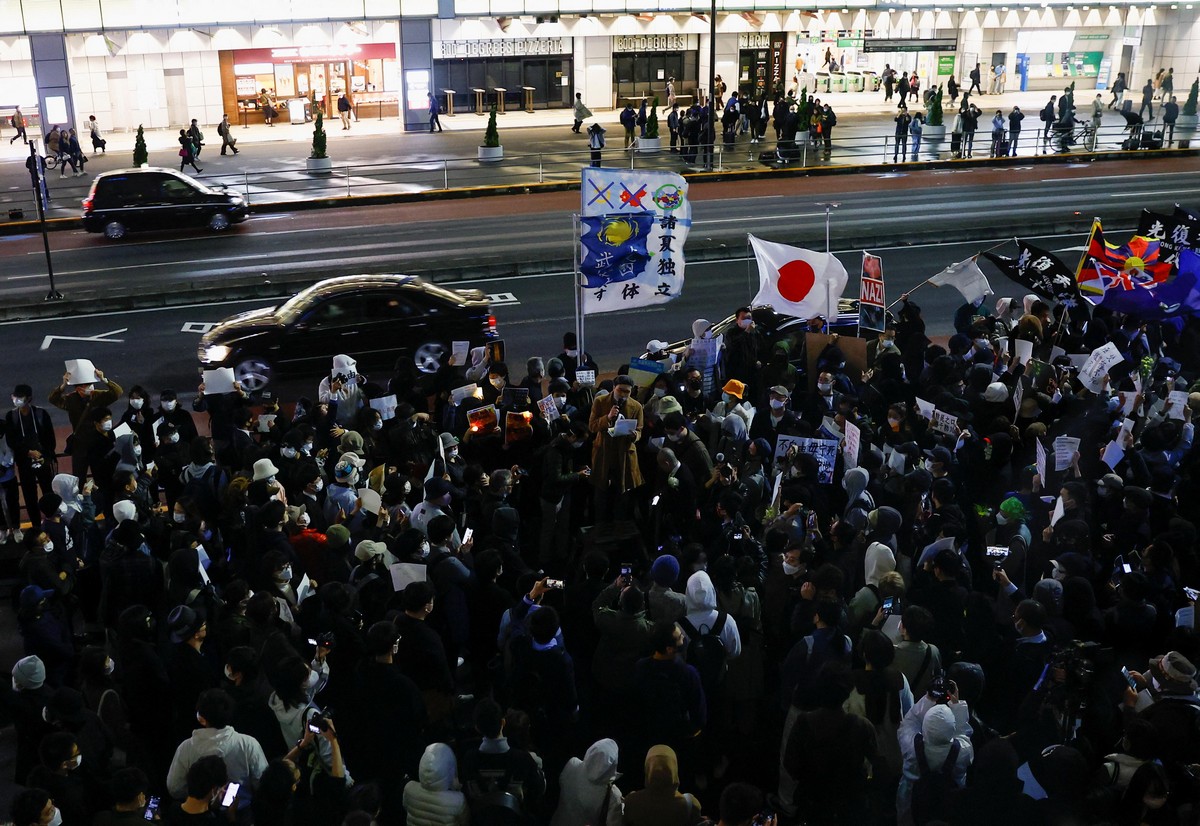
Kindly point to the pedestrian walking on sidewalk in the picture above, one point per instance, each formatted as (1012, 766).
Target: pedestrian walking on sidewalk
(1170, 114)
(582, 113)
(596, 142)
(952, 89)
(62, 148)
(98, 142)
(1048, 119)
(434, 113)
(628, 121)
(187, 154)
(19, 123)
(673, 126)
(75, 152)
(1014, 129)
(1001, 77)
(889, 82)
(1147, 100)
(197, 138)
(976, 78)
(902, 89)
(914, 87)
(900, 142)
(1118, 91)
(227, 140)
(343, 107)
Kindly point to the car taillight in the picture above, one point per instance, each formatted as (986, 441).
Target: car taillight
(87, 204)
(491, 324)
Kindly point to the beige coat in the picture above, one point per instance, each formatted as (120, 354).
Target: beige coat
(614, 459)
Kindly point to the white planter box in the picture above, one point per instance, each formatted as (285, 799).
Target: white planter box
(649, 146)
(491, 154)
(932, 138)
(319, 166)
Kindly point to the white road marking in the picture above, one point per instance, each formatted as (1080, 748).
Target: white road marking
(99, 337)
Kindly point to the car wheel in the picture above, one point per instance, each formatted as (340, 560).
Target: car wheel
(114, 230)
(428, 357)
(253, 372)
(219, 222)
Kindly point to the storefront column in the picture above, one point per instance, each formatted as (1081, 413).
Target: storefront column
(53, 78)
(416, 68)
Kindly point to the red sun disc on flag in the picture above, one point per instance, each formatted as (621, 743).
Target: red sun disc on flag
(796, 280)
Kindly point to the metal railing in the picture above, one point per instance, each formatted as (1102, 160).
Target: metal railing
(849, 147)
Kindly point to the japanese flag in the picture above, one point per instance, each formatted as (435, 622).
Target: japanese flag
(797, 281)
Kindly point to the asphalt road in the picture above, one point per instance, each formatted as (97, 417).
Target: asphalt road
(157, 348)
(519, 234)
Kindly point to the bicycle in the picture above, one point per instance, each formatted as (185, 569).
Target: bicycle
(1077, 131)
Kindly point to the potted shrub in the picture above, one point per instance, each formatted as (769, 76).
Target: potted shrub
(491, 151)
(141, 156)
(1185, 125)
(651, 144)
(318, 162)
(933, 135)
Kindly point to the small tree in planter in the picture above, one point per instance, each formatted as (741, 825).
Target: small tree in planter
(933, 135)
(491, 151)
(1185, 125)
(141, 156)
(650, 144)
(318, 161)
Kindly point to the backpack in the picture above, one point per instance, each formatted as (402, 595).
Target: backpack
(930, 791)
(203, 489)
(13, 121)
(706, 651)
(832, 118)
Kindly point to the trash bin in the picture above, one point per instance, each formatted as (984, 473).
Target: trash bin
(823, 83)
(837, 82)
(854, 82)
(299, 110)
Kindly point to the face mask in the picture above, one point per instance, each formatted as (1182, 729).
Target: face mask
(107, 425)
(109, 667)
(179, 518)
(571, 353)
(48, 547)
(229, 674)
(56, 818)
(169, 406)
(659, 392)
(75, 763)
(88, 389)
(560, 402)
(929, 465)
(424, 549)
(317, 485)
(286, 574)
(173, 439)
(729, 398)
(377, 426)
(695, 384)
(307, 447)
(824, 387)
(1001, 519)
(136, 404)
(675, 437)
(497, 383)
(777, 404)
(137, 450)
(745, 323)
(18, 403)
(303, 520)
(289, 452)
(791, 570)
(1101, 490)
(63, 509)
(893, 422)
(1059, 574)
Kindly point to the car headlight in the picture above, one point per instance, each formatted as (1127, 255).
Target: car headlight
(214, 353)
(237, 200)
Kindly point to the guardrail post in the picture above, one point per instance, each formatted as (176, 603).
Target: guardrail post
(246, 185)
(541, 172)
(445, 173)
(347, 181)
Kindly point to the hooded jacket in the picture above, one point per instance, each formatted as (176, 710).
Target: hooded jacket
(701, 601)
(435, 800)
(584, 786)
(661, 803)
(879, 561)
(940, 725)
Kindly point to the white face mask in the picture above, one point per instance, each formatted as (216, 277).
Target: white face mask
(229, 673)
(88, 389)
(174, 439)
(286, 574)
(319, 484)
(745, 323)
(729, 398)
(571, 353)
(56, 818)
(560, 402)
(18, 403)
(289, 452)
(659, 392)
(675, 437)
(777, 404)
(136, 404)
(109, 667)
(497, 383)
(307, 447)
(48, 547)
(137, 450)
(303, 520)
(1001, 519)
(179, 518)
(75, 762)
(107, 425)
(377, 426)
(63, 509)
(824, 387)
(168, 406)
(790, 570)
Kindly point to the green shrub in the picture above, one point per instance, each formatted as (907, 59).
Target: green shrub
(491, 137)
(1189, 105)
(934, 115)
(318, 141)
(141, 155)
(652, 120)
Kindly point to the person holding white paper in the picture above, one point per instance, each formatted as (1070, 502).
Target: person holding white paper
(84, 389)
(342, 390)
(615, 469)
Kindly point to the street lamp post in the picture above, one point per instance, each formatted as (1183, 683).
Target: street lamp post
(832, 300)
(712, 81)
(37, 175)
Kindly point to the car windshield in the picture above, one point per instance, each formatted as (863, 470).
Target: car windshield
(179, 176)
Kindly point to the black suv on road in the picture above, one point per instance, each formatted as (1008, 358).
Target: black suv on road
(374, 318)
(152, 198)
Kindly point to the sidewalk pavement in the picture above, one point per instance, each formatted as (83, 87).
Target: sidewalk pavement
(376, 157)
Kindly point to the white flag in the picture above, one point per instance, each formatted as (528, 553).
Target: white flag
(967, 278)
(797, 281)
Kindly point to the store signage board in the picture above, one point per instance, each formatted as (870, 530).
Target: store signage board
(911, 45)
(316, 54)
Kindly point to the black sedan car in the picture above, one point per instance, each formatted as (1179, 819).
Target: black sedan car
(374, 318)
(151, 198)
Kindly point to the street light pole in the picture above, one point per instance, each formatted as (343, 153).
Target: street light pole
(829, 208)
(712, 81)
(37, 174)
(831, 313)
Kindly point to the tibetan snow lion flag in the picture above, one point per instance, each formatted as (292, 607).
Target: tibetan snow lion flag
(796, 281)
(632, 229)
(1139, 263)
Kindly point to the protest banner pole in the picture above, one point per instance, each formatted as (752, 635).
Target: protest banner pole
(908, 293)
(575, 241)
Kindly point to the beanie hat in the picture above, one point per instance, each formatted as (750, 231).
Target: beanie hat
(337, 536)
(124, 510)
(1013, 508)
(665, 571)
(997, 391)
(29, 673)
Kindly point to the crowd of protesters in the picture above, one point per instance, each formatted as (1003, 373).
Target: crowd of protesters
(624, 605)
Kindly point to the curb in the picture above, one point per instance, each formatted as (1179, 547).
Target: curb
(58, 224)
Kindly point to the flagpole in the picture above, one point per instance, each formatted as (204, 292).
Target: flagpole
(749, 281)
(578, 290)
(908, 293)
